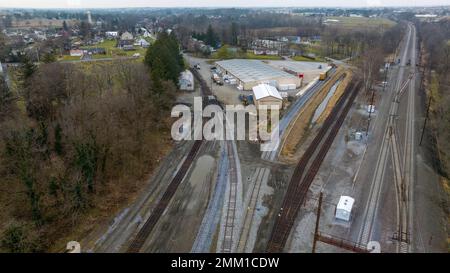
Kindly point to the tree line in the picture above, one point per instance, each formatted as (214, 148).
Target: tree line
(76, 136)
(434, 39)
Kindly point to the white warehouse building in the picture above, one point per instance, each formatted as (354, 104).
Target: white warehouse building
(250, 73)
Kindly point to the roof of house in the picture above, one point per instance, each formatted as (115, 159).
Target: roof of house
(126, 36)
(265, 90)
(143, 41)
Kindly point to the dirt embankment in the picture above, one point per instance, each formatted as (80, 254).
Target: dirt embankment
(298, 129)
(437, 130)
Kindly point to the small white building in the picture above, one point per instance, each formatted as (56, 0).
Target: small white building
(186, 81)
(265, 94)
(344, 208)
(112, 34)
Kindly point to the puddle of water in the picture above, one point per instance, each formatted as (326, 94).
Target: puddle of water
(203, 167)
(324, 103)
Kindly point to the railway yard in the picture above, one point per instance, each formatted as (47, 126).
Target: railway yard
(228, 196)
(225, 137)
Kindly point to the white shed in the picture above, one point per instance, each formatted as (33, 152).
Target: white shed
(265, 94)
(344, 208)
(186, 80)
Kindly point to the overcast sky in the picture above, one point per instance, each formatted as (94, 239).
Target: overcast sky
(213, 3)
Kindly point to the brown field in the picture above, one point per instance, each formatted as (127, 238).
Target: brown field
(361, 22)
(41, 22)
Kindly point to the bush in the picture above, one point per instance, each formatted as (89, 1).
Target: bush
(18, 239)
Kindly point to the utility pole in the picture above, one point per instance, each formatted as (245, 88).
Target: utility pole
(37, 54)
(386, 68)
(428, 106)
(426, 118)
(316, 230)
(370, 110)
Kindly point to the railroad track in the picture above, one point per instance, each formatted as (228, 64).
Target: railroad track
(151, 222)
(227, 243)
(293, 111)
(307, 169)
(163, 203)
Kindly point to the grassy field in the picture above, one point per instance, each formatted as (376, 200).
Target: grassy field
(69, 58)
(251, 55)
(248, 55)
(361, 22)
(111, 51)
(305, 59)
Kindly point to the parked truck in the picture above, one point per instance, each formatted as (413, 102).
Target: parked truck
(323, 76)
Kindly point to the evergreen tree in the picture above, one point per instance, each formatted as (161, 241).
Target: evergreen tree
(65, 27)
(48, 58)
(234, 33)
(164, 59)
(27, 70)
(5, 94)
(211, 37)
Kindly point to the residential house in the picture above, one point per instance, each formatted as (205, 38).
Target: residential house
(125, 44)
(97, 50)
(142, 43)
(126, 36)
(76, 52)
